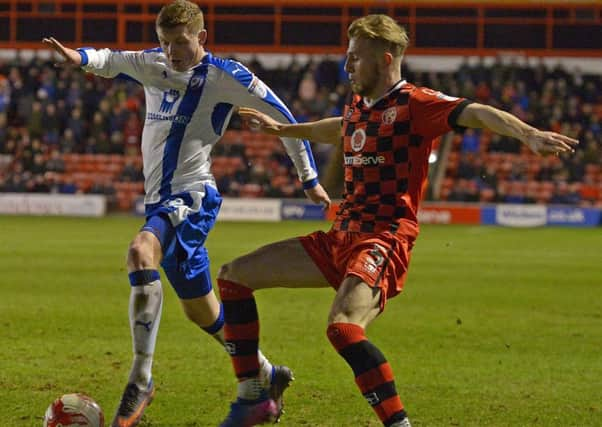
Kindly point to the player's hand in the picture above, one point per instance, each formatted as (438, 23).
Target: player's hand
(70, 56)
(543, 142)
(319, 196)
(260, 121)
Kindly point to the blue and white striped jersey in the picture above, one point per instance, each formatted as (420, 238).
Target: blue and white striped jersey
(188, 112)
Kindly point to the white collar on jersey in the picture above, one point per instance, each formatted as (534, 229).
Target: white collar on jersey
(374, 101)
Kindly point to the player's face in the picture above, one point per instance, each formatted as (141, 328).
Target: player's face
(363, 67)
(183, 49)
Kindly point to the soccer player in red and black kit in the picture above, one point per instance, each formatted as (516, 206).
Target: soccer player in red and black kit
(387, 131)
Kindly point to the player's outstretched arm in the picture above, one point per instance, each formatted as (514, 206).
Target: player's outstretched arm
(70, 56)
(326, 131)
(541, 142)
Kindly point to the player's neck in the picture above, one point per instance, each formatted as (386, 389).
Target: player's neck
(383, 88)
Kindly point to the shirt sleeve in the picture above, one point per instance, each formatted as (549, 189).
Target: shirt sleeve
(244, 89)
(434, 113)
(108, 63)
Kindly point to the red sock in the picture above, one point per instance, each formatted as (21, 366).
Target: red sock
(241, 328)
(373, 374)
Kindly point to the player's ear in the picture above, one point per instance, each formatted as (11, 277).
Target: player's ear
(202, 37)
(388, 58)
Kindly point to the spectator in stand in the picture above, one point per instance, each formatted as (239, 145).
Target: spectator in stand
(3, 132)
(38, 184)
(76, 124)
(106, 188)
(564, 194)
(39, 165)
(55, 163)
(16, 179)
(35, 122)
(68, 186)
(68, 143)
(98, 127)
(51, 125)
(592, 154)
(118, 117)
(4, 94)
(132, 132)
(117, 143)
(131, 173)
(470, 141)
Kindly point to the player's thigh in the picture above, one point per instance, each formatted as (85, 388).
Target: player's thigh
(281, 264)
(355, 302)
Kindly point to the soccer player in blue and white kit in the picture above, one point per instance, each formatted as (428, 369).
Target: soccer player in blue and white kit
(190, 96)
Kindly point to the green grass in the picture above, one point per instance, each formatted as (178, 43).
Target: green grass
(496, 327)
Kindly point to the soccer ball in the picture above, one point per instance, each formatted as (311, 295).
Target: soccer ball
(74, 410)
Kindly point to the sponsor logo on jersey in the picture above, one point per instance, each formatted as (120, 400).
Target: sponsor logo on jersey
(389, 116)
(196, 82)
(169, 100)
(377, 253)
(377, 259)
(258, 88)
(363, 160)
(358, 139)
(176, 118)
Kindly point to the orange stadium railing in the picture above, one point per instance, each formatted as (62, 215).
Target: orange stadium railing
(550, 28)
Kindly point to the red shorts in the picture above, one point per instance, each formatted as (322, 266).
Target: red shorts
(380, 260)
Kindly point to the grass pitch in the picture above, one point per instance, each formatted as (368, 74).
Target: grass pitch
(496, 327)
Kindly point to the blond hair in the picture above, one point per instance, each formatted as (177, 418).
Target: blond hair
(181, 12)
(383, 30)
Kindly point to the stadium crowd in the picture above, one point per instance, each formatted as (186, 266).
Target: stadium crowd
(63, 131)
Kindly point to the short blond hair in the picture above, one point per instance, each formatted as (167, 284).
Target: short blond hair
(382, 29)
(181, 12)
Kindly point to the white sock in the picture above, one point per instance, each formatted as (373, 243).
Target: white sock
(265, 367)
(265, 370)
(146, 302)
(250, 389)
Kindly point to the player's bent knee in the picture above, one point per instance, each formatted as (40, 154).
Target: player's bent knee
(228, 272)
(223, 272)
(139, 255)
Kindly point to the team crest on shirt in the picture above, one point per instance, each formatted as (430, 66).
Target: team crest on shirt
(389, 116)
(169, 99)
(358, 139)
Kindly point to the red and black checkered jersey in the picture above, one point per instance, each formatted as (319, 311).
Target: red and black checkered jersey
(386, 147)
